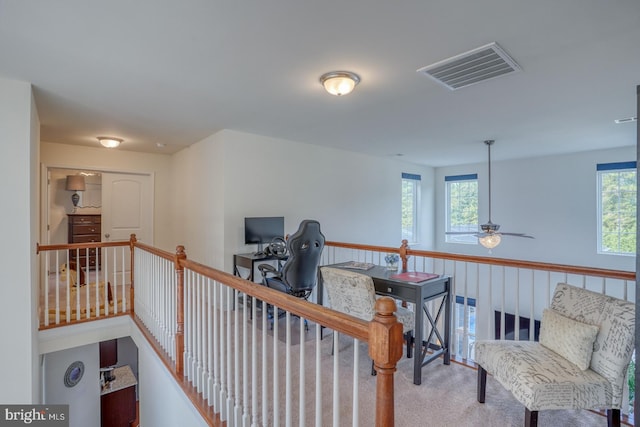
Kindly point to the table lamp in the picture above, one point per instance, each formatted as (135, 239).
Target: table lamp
(75, 183)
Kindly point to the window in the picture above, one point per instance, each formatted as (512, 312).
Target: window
(465, 326)
(462, 208)
(617, 208)
(410, 203)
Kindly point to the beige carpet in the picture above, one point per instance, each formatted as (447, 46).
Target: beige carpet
(446, 397)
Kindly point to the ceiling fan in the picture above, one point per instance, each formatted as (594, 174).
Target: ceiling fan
(490, 236)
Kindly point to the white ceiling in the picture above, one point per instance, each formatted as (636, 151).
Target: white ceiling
(174, 72)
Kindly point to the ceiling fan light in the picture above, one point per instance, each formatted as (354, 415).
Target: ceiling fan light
(490, 241)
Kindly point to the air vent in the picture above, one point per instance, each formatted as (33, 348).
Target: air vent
(477, 65)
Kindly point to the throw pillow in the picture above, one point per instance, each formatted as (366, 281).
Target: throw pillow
(569, 338)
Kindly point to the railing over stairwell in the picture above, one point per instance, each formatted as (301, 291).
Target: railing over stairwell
(255, 356)
(100, 288)
(211, 327)
(493, 298)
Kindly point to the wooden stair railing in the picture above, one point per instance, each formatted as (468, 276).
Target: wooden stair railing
(383, 334)
(405, 253)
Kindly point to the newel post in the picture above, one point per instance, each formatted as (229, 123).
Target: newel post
(132, 243)
(180, 255)
(385, 348)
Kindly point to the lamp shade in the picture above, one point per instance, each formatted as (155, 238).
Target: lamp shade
(75, 183)
(339, 82)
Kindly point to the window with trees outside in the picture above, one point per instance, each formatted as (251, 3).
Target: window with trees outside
(462, 208)
(617, 189)
(410, 203)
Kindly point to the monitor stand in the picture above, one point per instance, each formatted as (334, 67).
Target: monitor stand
(260, 251)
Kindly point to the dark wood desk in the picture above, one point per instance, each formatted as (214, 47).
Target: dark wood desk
(419, 294)
(249, 260)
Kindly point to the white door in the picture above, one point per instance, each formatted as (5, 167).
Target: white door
(127, 207)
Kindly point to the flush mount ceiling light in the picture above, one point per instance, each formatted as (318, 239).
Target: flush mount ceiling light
(109, 142)
(339, 82)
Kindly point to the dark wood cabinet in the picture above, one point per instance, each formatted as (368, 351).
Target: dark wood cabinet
(83, 228)
(118, 400)
(108, 353)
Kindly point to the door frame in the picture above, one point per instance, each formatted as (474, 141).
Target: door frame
(44, 193)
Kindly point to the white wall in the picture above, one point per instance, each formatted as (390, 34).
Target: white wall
(84, 398)
(102, 159)
(162, 401)
(355, 197)
(552, 198)
(199, 200)
(18, 137)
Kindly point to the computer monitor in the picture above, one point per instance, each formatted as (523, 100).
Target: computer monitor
(262, 230)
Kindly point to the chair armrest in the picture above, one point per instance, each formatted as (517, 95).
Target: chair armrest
(268, 269)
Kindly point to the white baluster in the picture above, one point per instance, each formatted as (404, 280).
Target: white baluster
(336, 380)
(276, 370)
(302, 398)
(254, 361)
(245, 361)
(287, 389)
(230, 389)
(356, 365)
(318, 407)
(265, 368)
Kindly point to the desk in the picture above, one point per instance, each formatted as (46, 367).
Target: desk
(419, 294)
(249, 260)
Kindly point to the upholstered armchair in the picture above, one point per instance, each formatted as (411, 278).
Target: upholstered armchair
(354, 293)
(586, 343)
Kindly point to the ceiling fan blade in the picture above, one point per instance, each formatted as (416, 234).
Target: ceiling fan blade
(461, 232)
(517, 235)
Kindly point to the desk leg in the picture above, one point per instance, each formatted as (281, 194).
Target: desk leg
(447, 326)
(418, 334)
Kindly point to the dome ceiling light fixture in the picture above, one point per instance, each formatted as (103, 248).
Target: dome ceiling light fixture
(109, 141)
(339, 83)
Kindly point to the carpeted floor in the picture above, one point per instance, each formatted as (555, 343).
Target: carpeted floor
(446, 397)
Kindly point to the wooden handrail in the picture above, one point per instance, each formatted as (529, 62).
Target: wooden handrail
(155, 251)
(90, 245)
(532, 265)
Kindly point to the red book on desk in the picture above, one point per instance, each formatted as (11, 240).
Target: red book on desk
(413, 276)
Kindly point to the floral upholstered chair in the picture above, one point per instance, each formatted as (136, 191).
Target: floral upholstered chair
(354, 293)
(586, 343)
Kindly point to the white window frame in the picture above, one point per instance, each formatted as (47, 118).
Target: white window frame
(414, 181)
(464, 239)
(603, 169)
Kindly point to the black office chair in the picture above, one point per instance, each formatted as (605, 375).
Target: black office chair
(299, 273)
